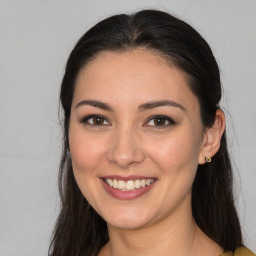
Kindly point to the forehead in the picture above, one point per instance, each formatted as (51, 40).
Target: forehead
(139, 74)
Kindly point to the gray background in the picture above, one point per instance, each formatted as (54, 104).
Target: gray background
(35, 40)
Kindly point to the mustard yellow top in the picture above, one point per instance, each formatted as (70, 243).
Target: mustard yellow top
(242, 251)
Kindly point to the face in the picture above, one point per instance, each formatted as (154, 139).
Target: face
(135, 138)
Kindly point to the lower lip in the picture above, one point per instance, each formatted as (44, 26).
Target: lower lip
(126, 195)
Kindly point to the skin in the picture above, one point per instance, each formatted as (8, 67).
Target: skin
(128, 142)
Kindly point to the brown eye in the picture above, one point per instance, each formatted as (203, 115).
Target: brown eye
(95, 120)
(158, 121)
(98, 120)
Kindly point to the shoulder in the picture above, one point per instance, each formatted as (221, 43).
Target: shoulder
(241, 251)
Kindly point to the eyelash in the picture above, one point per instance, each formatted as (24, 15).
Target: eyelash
(164, 118)
(85, 120)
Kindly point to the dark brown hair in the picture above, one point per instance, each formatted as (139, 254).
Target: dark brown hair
(79, 229)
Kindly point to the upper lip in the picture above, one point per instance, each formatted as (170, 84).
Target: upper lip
(126, 178)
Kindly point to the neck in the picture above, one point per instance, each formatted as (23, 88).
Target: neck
(175, 235)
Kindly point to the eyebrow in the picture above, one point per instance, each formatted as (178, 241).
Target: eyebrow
(95, 103)
(143, 107)
(161, 103)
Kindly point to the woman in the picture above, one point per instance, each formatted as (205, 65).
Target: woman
(145, 168)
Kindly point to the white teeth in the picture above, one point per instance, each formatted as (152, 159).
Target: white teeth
(129, 185)
(137, 184)
(121, 184)
(110, 182)
(148, 182)
(114, 183)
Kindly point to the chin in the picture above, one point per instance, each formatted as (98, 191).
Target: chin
(128, 225)
(126, 220)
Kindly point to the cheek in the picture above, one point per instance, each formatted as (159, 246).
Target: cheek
(176, 151)
(177, 159)
(86, 150)
(87, 153)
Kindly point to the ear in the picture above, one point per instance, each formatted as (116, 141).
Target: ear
(212, 137)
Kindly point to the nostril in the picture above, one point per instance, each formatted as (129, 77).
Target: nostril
(125, 150)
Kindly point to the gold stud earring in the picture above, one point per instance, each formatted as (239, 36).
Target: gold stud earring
(208, 159)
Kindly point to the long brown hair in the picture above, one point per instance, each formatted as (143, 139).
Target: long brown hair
(79, 230)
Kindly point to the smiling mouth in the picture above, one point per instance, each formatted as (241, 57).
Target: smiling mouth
(128, 185)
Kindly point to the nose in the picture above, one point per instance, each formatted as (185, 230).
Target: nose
(126, 149)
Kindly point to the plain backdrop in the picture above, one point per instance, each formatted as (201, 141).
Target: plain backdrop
(35, 40)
